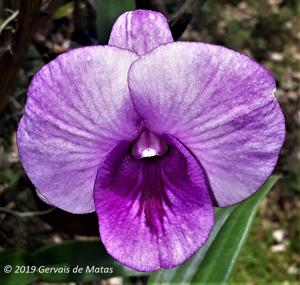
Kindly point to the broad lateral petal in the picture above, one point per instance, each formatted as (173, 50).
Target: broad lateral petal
(140, 31)
(153, 213)
(220, 104)
(78, 108)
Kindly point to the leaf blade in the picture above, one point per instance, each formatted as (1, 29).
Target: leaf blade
(239, 224)
(89, 255)
(15, 257)
(201, 268)
(184, 273)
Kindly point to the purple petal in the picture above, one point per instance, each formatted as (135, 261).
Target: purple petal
(153, 213)
(78, 108)
(140, 31)
(220, 104)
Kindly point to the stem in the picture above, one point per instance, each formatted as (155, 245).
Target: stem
(8, 20)
(12, 58)
(179, 21)
(25, 214)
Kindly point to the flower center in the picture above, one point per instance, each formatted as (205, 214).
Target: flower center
(149, 145)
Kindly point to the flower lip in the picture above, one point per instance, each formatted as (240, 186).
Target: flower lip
(149, 145)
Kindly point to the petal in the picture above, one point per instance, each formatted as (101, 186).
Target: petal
(220, 104)
(153, 213)
(78, 108)
(140, 31)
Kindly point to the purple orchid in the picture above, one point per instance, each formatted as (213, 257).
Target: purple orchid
(152, 135)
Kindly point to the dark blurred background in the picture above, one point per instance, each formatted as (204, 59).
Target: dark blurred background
(34, 32)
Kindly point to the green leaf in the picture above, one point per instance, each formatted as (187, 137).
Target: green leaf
(216, 259)
(88, 256)
(185, 272)
(107, 12)
(63, 11)
(223, 254)
(18, 260)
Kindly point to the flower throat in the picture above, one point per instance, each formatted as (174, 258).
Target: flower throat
(149, 145)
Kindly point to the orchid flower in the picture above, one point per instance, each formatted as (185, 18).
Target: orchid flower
(152, 135)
